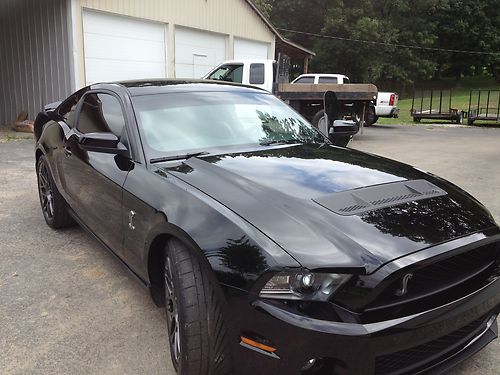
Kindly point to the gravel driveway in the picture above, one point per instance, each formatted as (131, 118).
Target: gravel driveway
(67, 306)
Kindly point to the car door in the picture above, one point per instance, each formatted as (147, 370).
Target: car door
(93, 180)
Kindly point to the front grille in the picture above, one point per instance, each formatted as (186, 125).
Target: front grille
(435, 284)
(424, 355)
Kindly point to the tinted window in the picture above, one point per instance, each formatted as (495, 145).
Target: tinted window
(328, 80)
(229, 73)
(305, 80)
(68, 107)
(257, 74)
(101, 113)
(194, 121)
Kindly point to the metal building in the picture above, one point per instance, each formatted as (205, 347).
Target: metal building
(50, 48)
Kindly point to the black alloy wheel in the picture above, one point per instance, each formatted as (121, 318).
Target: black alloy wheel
(54, 207)
(45, 191)
(172, 311)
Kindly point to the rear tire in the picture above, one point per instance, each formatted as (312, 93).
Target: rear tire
(370, 117)
(194, 307)
(54, 207)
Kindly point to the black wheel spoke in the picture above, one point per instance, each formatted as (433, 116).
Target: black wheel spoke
(172, 311)
(45, 191)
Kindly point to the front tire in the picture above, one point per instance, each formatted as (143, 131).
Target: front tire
(194, 307)
(54, 207)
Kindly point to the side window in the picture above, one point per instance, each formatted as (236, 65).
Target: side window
(230, 73)
(236, 74)
(67, 108)
(328, 80)
(257, 74)
(101, 113)
(305, 80)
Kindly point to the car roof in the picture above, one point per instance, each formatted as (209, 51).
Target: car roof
(160, 86)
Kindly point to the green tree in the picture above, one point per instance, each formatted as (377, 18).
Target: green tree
(265, 6)
(395, 22)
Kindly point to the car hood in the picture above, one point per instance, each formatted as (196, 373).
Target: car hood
(292, 194)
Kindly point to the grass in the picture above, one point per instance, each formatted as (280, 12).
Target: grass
(459, 100)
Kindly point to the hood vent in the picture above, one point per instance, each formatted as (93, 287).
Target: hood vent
(370, 198)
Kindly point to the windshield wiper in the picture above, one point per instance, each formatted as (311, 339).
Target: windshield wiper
(280, 142)
(178, 157)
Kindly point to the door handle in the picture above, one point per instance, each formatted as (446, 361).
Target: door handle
(67, 151)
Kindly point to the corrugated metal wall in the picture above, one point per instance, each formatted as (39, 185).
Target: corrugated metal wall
(34, 56)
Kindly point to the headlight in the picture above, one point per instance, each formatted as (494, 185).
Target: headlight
(303, 285)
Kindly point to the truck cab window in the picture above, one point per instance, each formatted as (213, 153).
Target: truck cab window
(228, 73)
(309, 80)
(257, 74)
(328, 80)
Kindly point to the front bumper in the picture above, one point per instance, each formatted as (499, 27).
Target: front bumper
(430, 342)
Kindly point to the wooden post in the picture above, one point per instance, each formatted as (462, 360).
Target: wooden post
(306, 64)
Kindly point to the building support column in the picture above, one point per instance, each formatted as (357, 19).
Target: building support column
(170, 50)
(230, 47)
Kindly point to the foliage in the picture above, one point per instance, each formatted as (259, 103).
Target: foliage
(442, 24)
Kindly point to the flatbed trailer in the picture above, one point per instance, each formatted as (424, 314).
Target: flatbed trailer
(485, 108)
(436, 107)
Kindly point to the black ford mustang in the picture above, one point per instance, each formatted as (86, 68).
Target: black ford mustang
(273, 251)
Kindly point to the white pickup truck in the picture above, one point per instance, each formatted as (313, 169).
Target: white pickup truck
(326, 103)
(387, 102)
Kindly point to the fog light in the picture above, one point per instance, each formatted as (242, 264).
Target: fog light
(309, 364)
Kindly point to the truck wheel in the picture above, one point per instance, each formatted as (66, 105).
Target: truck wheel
(317, 117)
(194, 306)
(370, 117)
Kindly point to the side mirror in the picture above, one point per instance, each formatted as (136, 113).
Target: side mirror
(107, 143)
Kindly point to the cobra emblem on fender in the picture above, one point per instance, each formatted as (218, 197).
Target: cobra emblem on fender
(404, 285)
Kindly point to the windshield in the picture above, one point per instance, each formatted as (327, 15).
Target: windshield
(177, 123)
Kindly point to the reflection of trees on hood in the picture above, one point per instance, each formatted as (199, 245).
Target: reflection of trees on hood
(243, 257)
(431, 220)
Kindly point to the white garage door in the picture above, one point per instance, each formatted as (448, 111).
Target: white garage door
(196, 52)
(121, 48)
(250, 49)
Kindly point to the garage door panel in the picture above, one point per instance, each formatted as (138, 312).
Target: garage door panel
(196, 52)
(98, 47)
(250, 49)
(111, 24)
(106, 71)
(122, 48)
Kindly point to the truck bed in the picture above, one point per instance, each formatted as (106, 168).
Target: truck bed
(344, 92)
